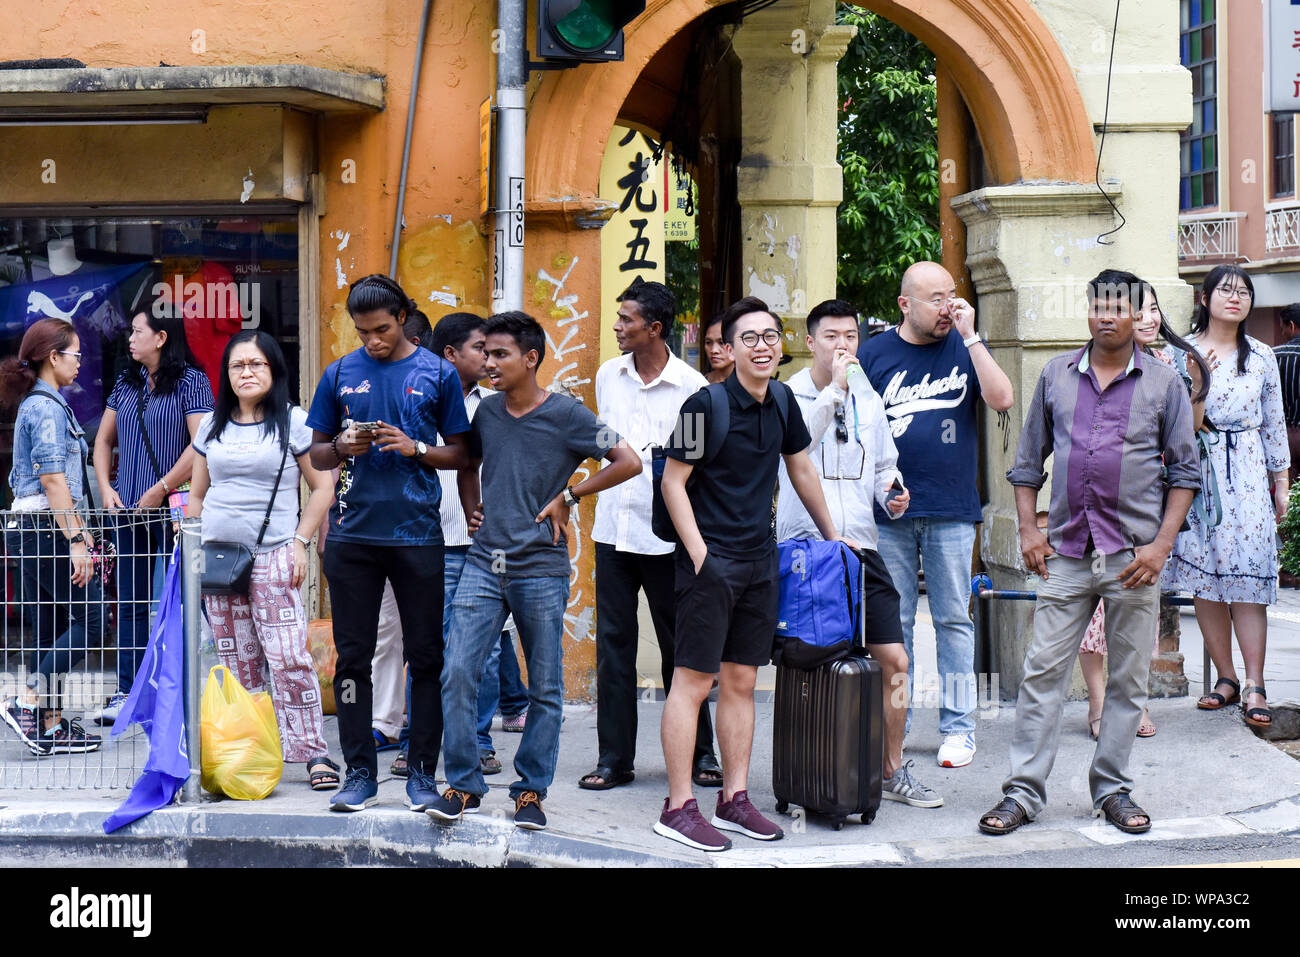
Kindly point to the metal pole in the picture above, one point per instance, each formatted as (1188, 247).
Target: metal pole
(512, 77)
(406, 143)
(191, 561)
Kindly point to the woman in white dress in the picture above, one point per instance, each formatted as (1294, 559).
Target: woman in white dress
(1231, 568)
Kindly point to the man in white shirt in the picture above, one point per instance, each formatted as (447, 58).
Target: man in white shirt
(855, 458)
(638, 395)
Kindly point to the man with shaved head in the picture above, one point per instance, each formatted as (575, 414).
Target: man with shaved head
(931, 371)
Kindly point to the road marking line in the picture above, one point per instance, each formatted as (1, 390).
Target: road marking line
(1181, 829)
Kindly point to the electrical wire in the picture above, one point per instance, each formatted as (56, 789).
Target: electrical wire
(1105, 120)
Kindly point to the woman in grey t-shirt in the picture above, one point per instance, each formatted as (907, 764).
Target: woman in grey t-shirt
(240, 445)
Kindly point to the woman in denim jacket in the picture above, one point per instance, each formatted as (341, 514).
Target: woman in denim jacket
(43, 527)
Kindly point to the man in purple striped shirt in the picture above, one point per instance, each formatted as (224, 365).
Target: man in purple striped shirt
(1110, 416)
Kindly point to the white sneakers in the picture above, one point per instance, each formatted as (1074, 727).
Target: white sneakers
(957, 750)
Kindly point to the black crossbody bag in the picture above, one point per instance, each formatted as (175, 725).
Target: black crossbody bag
(227, 567)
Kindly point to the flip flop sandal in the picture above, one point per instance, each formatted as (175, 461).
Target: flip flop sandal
(1009, 816)
(489, 764)
(1217, 700)
(1146, 729)
(382, 741)
(1258, 717)
(1119, 808)
(323, 780)
(707, 773)
(609, 778)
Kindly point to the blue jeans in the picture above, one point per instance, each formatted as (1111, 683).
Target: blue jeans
(944, 546)
(482, 602)
(66, 620)
(139, 543)
(503, 686)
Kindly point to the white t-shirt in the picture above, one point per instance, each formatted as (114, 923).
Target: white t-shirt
(242, 465)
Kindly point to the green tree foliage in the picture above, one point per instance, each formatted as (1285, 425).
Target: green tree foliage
(1289, 532)
(889, 151)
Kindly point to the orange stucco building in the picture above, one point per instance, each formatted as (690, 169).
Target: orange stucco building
(266, 141)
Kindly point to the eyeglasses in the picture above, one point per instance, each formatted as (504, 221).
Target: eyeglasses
(249, 365)
(1227, 292)
(66, 352)
(841, 430)
(770, 337)
(938, 303)
(848, 463)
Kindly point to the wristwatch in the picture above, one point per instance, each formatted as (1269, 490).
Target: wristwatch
(973, 338)
(420, 449)
(79, 537)
(306, 542)
(571, 498)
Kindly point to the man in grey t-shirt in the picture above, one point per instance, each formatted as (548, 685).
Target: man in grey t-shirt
(530, 442)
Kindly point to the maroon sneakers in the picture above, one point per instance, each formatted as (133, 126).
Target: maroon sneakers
(739, 815)
(687, 826)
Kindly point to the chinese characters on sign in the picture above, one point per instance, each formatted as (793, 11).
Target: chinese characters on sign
(1282, 41)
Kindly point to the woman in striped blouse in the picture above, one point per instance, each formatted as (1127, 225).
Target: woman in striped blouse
(153, 413)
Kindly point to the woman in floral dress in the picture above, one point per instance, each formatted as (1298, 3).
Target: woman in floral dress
(1231, 568)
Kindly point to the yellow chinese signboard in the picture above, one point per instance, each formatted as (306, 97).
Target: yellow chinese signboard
(632, 242)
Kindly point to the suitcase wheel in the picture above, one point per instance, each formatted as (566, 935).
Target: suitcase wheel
(868, 817)
(782, 807)
(837, 824)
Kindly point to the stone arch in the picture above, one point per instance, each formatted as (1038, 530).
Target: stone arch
(1024, 98)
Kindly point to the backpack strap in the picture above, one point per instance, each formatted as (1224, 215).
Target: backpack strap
(781, 393)
(719, 422)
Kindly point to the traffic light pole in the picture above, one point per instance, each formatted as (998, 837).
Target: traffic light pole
(512, 77)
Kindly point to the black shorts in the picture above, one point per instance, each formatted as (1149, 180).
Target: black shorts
(727, 612)
(880, 599)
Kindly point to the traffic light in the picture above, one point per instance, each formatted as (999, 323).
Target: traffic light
(585, 30)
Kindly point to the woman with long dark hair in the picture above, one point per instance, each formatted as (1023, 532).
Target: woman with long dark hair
(48, 480)
(1231, 567)
(251, 451)
(153, 414)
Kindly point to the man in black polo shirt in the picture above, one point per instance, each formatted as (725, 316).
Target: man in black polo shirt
(726, 570)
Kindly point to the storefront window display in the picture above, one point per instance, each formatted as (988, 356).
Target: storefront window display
(221, 272)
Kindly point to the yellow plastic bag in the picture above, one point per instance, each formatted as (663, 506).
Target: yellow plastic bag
(240, 739)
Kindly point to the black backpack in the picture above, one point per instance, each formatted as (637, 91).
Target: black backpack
(661, 522)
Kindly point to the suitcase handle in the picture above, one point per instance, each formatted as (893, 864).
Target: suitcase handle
(860, 640)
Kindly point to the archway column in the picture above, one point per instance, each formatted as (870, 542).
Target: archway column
(789, 181)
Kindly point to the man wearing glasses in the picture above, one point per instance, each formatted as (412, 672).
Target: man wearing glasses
(855, 457)
(726, 582)
(931, 370)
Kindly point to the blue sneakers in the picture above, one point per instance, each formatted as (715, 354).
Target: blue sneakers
(421, 791)
(359, 791)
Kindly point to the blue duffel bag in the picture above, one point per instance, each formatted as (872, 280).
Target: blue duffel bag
(820, 590)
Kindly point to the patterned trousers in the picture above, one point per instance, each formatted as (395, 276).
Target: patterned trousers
(268, 628)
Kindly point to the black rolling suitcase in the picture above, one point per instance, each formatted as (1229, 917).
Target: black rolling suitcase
(828, 736)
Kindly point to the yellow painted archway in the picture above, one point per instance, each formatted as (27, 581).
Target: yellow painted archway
(1009, 67)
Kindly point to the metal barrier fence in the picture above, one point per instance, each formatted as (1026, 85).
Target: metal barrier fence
(981, 586)
(71, 650)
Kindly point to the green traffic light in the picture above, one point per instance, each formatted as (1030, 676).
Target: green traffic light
(589, 27)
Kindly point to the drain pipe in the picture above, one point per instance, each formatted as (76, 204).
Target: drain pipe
(406, 144)
(512, 78)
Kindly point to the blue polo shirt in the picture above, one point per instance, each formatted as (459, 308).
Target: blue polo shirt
(386, 498)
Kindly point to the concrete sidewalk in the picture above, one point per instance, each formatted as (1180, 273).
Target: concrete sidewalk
(1203, 775)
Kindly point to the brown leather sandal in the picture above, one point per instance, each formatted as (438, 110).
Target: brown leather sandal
(1007, 816)
(1216, 700)
(1119, 809)
(1256, 717)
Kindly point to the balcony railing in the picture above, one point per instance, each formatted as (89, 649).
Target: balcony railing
(1211, 236)
(1282, 229)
